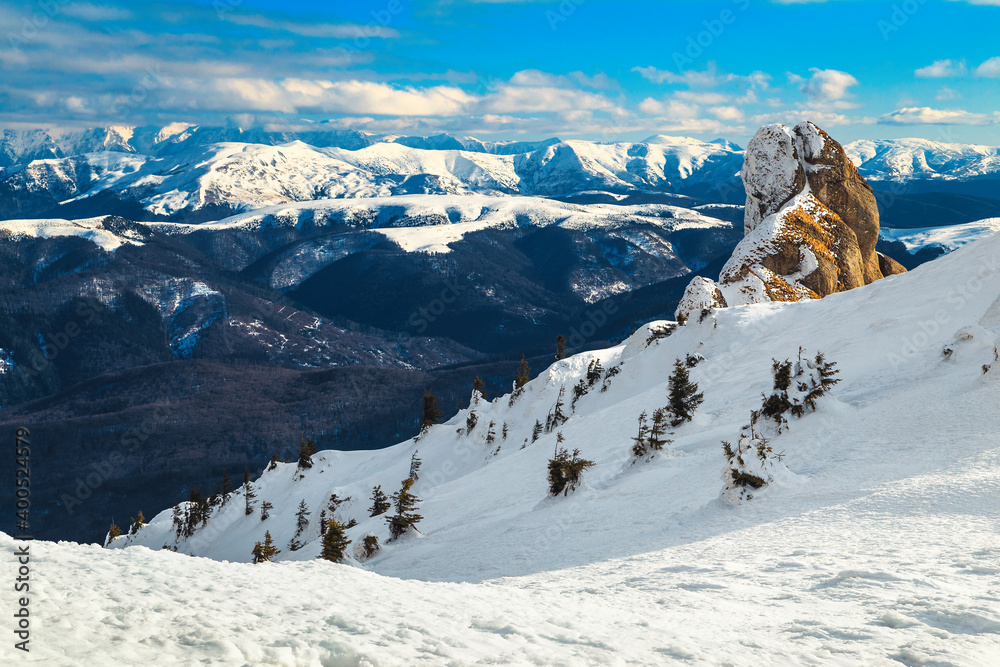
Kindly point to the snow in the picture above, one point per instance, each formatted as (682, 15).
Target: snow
(877, 544)
(188, 307)
(89, 229)
(906, 159)
(428, 223)
(433, 239)
(948, 238)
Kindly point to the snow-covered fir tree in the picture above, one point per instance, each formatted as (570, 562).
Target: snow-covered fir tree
(406, 517)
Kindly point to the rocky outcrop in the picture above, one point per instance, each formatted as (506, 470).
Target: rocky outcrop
(810, 225)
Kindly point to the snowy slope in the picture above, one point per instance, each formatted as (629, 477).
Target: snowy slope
(876, 370)
(946, 238)
(92, 229)
(877, 544)
(426, 222)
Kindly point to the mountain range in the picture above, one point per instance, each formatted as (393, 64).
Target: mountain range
(188, 173)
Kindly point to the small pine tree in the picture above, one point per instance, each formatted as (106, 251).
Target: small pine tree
(273, 464)
(491, 433)
(179, 520)
(560, 347)
(113, 532)
(265, 510)
(334, 541)
(683, 395)
(405, 517)
(302, 518)
(249, 493)
(306, 450)
(266, 551)
(432, 413)
(471, 421)
(478, 390)
(566, 470)
(415, 466)
(556, 417)
(503, 433)
(594, 372)
(523, 374)
(657, 430)
(777, 404)
(749, 464)
(199, 510)
(639, 448)
(797, 387)
(613, 371)
(536, 431)
(135, 524)
(821, 380)
(369, 547)
(227, 484)
(579, 391)
(380, 503)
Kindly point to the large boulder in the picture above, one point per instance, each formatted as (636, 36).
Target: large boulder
(810, 225)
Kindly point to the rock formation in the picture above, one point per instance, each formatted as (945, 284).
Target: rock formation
(810, 225)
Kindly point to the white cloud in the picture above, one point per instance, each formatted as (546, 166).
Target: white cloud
(705, 97)
(826, 85)
(929, 116)
(669, 109)
(318, 96)
(727, 113)
(76, 104)
(534, 77)
(305, 29)
(946, 93)
(709, 78)
(89, 12)
(522, 99)
(821, 118)
(941, 69)
(990, 68)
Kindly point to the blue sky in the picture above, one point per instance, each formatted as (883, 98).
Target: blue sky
(598, 69)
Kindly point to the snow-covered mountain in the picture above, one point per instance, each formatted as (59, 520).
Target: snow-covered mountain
(331, 229)
(944, 239)
(244, 176)
(178, 170)
(877, 524)
(911, 159)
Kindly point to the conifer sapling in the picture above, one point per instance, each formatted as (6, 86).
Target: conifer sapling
(380, 502)
(415, 466)
(334, 541)
(306, 450)
(266, 551)
(432, 413)
(565, 469)
(405, 517)
(683, 396)
(113, 532)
